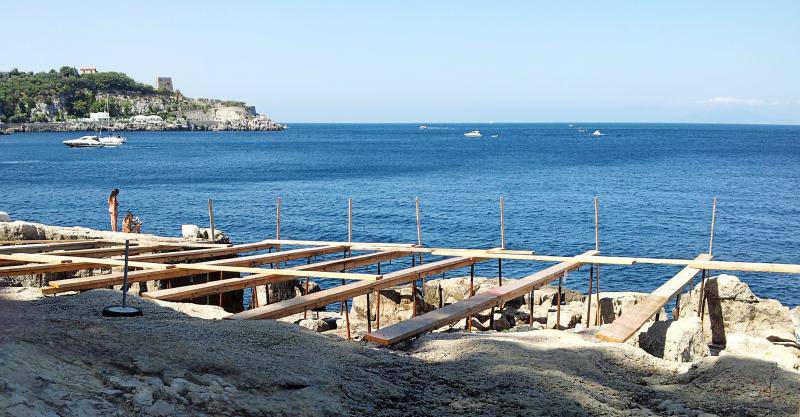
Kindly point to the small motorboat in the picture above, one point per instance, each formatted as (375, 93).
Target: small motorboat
(495, 136)
(473, 134)
(597, 133)
(84, 142)
(423, 126)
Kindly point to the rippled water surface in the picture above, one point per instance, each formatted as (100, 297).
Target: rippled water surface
(655, 184)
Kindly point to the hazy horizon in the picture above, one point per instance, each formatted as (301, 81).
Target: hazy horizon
(447, 62)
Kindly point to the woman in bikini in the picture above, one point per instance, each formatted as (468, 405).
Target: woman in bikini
(113, 208)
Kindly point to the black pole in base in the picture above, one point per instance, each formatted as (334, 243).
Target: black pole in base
(123, 310)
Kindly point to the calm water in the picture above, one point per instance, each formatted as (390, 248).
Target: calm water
(655, 183)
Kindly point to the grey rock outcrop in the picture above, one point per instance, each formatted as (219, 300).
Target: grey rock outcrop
(675, 340)
(731, 307)
(396, 305)
(739, 344)
(614, 304)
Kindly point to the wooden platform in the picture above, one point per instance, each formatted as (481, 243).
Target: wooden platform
(344, 292)
(102, 281)
(485, 300)
(634, 318)
(232, 284)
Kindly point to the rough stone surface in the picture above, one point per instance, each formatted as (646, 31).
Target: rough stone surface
(732, 308)
(4, 217)
(614, 304)
(674, 340)
(760, 348)
(796, 320)
(396, 305)
(571, 314)
(453, 290)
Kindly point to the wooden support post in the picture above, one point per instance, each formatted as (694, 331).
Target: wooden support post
(340, 304)
(414, 298)
(378, 303)
(369, 315)
(491, 319)
(305, 312)
(678, 305)
(530, 308)
(346, 317)
(589, 297)
(597, 320)
(253, 297)
(439, 288)
(471, 292)
(558, 302)
(211, 220)
(701, 307)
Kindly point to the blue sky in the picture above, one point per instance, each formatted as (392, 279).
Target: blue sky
(443, 61)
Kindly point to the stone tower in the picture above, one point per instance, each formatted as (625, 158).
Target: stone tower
(164, 84)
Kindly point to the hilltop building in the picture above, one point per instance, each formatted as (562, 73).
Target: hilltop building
(164, 83)
(91, 70)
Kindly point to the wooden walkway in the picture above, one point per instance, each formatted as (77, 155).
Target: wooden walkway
(232, 284)
(485, 300)
(633, 319)
(102, 281)
(347, 291)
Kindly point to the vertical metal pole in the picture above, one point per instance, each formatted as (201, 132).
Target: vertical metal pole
(305, 311)
(589, 297)
(414, 298)
(211, 220)
(349, 219)
(419, 230)
(125, 277)
(597, 266)
(502, 240)
(346, 317)
(278, 203)
(530, 307)
(713, 221)
(678, 305)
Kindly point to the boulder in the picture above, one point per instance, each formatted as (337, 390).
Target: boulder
(739, 344)
(674, 340)
(317, 325)
(615, 304)
(284, 290)
(4, 217)
(796, 320)
(547, 295)
(452, 290)
(19, 230)
(193, 232)
(396, 306)
(570, 315)
(732, 308)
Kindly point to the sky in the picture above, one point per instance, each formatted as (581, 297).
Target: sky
(437, 61)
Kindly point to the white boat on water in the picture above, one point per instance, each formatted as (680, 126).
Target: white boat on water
(495, 136)
(597, 133)
(84, 142)
(473, 134)
(98, 141)
(423, 126)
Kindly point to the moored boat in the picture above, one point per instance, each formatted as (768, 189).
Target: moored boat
(473, 134)
(90, 141)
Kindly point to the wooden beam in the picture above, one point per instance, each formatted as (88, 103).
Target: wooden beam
(200, 266)
(100, 281)
(43, 247)
(634, 318)
(336, 294)
(38, 257)
(485, 300)
(232, 284)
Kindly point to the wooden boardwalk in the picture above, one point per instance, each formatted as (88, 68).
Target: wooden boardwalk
(347, 291)
(433, 320)
(232, 284)
(634, 318)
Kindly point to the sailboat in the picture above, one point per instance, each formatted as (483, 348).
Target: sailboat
(597, 133)
(98, 141)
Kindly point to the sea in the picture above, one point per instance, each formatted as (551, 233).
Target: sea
(655, 184)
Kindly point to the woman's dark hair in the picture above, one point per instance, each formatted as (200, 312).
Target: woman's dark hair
(114, 192)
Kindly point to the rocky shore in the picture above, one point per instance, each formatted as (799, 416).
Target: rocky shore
(58, 356)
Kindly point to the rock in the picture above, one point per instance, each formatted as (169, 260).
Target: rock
(787, 358)
(143, 397)
(160, 408)
(453, 290)
(396, 306)
(498, 321)
(570, 315)
(674, 340)
(614, 304)
(4, 217)
(732, 308)
(547, 295)
(317, 325)
(190, 231)
(796, 320)
(193, 232)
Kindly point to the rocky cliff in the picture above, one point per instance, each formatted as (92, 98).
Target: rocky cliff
(66, 101)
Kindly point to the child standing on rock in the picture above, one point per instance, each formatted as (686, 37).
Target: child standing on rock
(113, 208)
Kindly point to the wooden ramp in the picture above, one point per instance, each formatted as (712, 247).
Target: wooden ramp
(632, 320)
(232, 284)
(433, 320)
(344, 292)
(101, 281)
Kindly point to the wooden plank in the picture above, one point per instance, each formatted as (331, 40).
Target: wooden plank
(331, 295)
(101, 281)
(634, 318)
(66, 244)
(200, 266)
(37, 257)
(158, 257)
(232, 284)
(485, 300)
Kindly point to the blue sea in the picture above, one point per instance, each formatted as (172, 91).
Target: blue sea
(655, 184)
